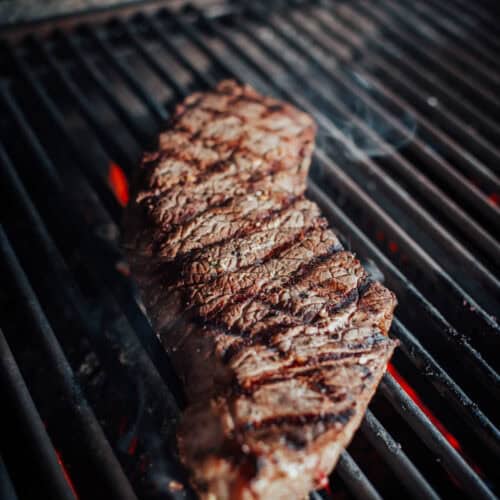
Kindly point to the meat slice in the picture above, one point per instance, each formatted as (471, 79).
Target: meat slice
(277, 333)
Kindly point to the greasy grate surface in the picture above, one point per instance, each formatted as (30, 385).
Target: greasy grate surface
(406, 169)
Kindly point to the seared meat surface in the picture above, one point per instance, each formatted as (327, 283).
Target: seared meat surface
(278, 334)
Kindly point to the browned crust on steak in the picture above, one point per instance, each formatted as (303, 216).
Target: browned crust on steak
(277, 333)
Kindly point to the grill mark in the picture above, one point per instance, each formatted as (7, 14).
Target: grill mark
(192, 214)
(273, 214)
(367, 348)
(319, 387)
(355, 295)
(173, 125)
(310, 267)
(174, 269)
(266, 336)
(352, 296)
(316, 222)
(162, 239)
(303, 419)
(243, 294)
(329, 252)
(219, 165)
(251, 386)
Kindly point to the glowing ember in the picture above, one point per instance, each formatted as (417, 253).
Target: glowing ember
(494, 198)
(437, 423)
(133, 446)
(118, 181)
(393, 246)
(66, 474)
(416, 398)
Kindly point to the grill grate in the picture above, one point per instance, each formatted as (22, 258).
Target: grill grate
(406, 170)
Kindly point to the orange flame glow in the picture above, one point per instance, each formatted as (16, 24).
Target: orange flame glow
(437, 423)
(119, 183)
(494, 199)
(416, 399)
(133, 446)
(66, 475)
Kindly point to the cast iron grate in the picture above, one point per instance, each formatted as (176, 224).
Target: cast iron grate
(406, 170)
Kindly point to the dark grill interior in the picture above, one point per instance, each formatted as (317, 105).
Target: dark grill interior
(406, 168)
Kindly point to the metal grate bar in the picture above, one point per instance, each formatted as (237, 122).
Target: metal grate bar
(459, 155)
(394, 456)
(132, 311)
(482, 369)
(107, 140)
(411, 347)
(18, 398)
(462, 185)
(391, 72)
(451, 43)
(93, 443)
(157, 110)
(179, 90)
(433, 439)
(489, 127)
(6, 487)
(88, 168)
(403, 31)
(125, 116)
(485, 31)
(355, 479)
(170, 47)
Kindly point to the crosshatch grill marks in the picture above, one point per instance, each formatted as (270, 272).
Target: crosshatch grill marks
(277, 333)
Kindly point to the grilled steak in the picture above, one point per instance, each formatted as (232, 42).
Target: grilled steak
(278, 334)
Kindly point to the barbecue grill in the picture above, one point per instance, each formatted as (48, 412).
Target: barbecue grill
(406, 95)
